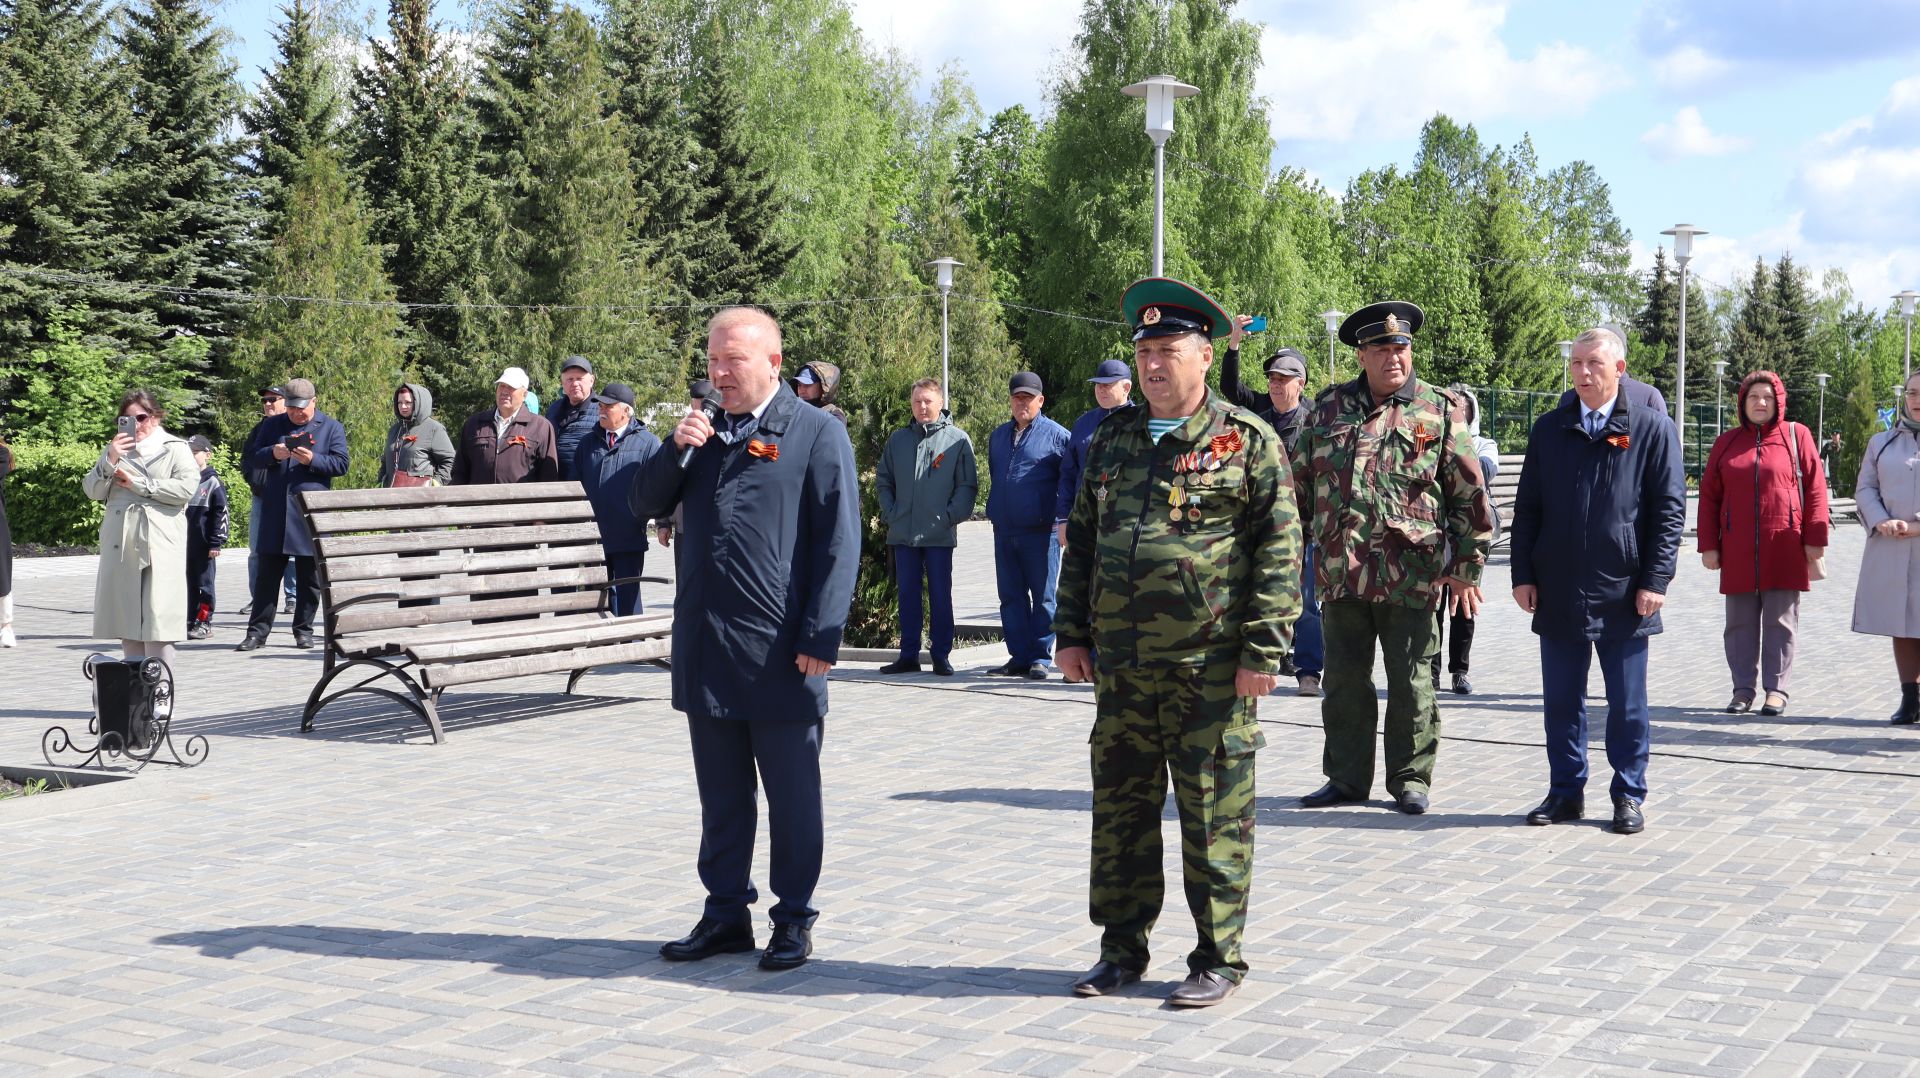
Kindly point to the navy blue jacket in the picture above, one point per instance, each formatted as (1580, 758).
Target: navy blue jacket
(282, 529)
(1074, 460)
(1598, 519)
(608, 475)
(1026, 479)
(571, 427)
(767, 554)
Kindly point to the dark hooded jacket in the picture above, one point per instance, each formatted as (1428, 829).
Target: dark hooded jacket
(1752, 509)
(418, 444)
(828, 376)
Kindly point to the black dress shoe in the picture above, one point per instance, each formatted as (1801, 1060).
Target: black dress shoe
(709, 938)
(1557, 809)
(1411, 802)
(902, 666)
(1009, 669)
(303, 641)
(1627, 818)
(1330, 794)
(1462, 686)
(1203, 989)
(251, 643)
(1104, 979)
(788, 949)
(943, 667)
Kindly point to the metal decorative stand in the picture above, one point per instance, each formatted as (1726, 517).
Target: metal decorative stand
(132, 718)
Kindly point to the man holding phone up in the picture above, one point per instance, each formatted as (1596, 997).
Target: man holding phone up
(300, 450)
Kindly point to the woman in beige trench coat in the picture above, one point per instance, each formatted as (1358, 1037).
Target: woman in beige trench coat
(140, 592)
(1887, 602)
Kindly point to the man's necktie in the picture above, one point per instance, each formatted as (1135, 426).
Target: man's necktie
(1593, 424)
(610, 437)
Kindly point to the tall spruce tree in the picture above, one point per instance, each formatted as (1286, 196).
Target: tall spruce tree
(413, 144)
(183, 215)
(295, 112)
(741, 200)
(995, 179)
(1524, 301)
(668, 172)
(1794, 310)
(63, 121)
(1756, 329)
(559, 268)
(348, 339)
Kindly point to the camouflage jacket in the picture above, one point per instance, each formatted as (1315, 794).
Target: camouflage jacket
(1220, 582)
(1391, 494)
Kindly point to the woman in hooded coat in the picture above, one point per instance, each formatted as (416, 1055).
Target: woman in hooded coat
(140, 591)
(1763, 527)
(419, 452)
(1887, 602)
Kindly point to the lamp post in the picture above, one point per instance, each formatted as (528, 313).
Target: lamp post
(1566, 357)
(1821, 377)
(1682, 253)
(943, 280)
(1907, 299)
(1720, 393)
(1161, 91)
(1333, 319)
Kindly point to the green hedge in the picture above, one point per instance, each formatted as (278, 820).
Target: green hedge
(46, 506)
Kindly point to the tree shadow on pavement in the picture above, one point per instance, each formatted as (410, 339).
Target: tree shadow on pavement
(561, 957)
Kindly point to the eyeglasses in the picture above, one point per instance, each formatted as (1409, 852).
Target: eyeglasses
(139, 418)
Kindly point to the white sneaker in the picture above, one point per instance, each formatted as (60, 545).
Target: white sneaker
(6, 636)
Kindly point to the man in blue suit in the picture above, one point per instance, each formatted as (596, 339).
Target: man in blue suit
(1023, 457)
(769, 545)
(1596, 534)
(300, 449)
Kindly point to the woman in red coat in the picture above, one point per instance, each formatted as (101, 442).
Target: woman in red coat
(1763, 525)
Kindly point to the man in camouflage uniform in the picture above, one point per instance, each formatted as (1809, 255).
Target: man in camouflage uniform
(1181, 572)
(1388, 483)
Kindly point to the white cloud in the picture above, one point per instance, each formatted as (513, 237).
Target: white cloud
(1687, 135)
(1447, 56)
(1874, 271)
(1690, 67)
(1694, 44)
(1861, 181)
(1008, 47)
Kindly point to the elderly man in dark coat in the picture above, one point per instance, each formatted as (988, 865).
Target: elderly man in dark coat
(771, 541)
(1596, 533)
(300, 449)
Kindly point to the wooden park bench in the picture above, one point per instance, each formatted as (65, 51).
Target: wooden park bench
(527, 553)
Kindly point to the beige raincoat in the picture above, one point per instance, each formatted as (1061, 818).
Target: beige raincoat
(140, 592)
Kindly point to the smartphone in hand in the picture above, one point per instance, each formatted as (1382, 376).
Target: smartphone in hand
(1258, 325)
(127, 425)
(299, 440)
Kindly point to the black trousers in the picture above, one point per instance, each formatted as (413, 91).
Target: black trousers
(732, 759)
(1460, 646)
(266, 590)
(200, 573)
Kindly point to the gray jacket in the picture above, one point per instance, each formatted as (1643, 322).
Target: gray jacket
(417, 445)
(927, 480)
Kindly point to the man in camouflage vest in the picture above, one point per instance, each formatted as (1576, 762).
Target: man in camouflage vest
(1388, 483)
(1181, 573)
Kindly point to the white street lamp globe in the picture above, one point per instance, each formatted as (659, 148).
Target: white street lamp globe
(1333, 320)
(943, 273)
(1566, 350)
(1683, 240)
(1161, 91)
(1907, 299)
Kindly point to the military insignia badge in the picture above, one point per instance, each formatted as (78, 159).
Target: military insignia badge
(1393, 324)
(1150, 316)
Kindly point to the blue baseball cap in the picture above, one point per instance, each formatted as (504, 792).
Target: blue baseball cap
(1110, 371)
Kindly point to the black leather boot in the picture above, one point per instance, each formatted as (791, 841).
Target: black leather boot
(1909, 712)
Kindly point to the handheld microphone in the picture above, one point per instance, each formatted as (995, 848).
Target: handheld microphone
(711, 408)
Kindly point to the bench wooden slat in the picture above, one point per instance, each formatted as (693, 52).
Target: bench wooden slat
(406, 497)
(447, 587)
(389, 519)
(441, 676)
(391, 641)
(607, 633)
(389, 566)
(364, 618)
(438, 539)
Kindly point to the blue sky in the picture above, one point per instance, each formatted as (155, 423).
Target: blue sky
(1776, 124)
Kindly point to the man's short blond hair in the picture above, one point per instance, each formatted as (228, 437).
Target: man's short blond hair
(1604, 339)
(732, 317)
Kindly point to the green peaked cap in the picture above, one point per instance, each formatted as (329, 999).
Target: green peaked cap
(1160, 306)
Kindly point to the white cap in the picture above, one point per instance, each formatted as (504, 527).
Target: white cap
(515, 377)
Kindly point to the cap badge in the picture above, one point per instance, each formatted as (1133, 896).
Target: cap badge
(1393, 324)
(1150, 316)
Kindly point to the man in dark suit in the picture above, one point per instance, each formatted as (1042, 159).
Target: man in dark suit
(300, 449)
(1638, 394)
(1596, 533)
(769, 546)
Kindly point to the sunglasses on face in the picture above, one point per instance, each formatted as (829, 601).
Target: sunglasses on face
(139, 417)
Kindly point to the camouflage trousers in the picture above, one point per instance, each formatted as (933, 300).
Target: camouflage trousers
(1185, 721)
(1350, 711)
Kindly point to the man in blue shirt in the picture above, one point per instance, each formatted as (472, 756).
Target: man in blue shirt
(1023, 458)
(1112, 390)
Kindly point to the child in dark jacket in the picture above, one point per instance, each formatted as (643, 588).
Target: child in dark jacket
(206, 534)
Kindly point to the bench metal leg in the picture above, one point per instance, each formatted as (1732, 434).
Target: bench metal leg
(573, 679)
(421, 702)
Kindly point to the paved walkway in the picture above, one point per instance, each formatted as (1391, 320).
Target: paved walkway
(358, 901)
